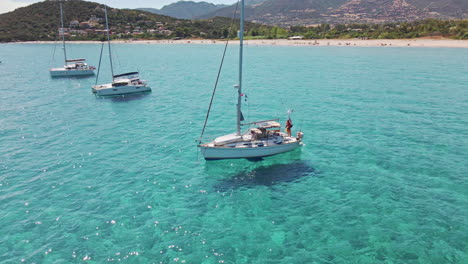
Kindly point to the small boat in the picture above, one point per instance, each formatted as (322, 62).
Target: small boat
(73, 67)
(126, 83)
(77, 67)
(260, 139)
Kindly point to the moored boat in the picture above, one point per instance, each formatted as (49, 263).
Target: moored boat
(77, 67)
(126, 83)
(122, 84)
(260, 139)
(73, 67)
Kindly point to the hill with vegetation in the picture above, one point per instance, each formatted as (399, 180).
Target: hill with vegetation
(312, 12)
(85, 21)
(435, 28)
(193, 10)
(450, 8)
(185, 9)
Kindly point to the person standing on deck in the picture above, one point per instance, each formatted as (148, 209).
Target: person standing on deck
(289, 125)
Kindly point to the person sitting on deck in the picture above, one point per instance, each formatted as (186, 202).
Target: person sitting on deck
(289, 125)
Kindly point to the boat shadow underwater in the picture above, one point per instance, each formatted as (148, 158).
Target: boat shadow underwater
(69, 77)
(267, 176)
(126, 97)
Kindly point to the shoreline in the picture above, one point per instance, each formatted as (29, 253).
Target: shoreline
(430, 43)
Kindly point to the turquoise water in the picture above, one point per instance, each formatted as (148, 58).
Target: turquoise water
(382, 178)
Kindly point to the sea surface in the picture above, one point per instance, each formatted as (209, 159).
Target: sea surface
(382, 177)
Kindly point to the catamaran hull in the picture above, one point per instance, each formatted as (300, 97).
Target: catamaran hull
(121, 90)
(65, 73)
(214, 153)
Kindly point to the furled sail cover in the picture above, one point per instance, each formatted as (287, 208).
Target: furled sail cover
(125, 74)
(76, 60)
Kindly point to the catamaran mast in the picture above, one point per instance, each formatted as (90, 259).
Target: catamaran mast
(63, 34)
(108, 42)
(239, 96)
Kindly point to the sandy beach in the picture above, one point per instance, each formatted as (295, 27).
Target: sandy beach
(430, 43)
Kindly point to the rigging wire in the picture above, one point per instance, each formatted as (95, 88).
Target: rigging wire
(117, 58)
(219, 74)
(53, 53)
(99, 66)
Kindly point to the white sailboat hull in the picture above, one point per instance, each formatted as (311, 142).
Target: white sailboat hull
(109, 90)
(62, 72)
(213, 152)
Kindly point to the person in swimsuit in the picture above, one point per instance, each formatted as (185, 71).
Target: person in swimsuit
(289, 125)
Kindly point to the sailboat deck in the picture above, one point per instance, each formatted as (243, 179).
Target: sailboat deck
(254, 143)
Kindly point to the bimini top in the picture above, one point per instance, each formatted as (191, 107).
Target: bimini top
(265, 124)
(76, 60)
(269, 124)
(125, 74)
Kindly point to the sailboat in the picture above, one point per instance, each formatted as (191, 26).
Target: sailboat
(73, 67)
(261, 139)
(126, 83)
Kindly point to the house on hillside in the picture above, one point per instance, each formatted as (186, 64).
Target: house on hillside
(94, 18)
(78, 32)
(74, 24)
(84, 25)
(166, 32)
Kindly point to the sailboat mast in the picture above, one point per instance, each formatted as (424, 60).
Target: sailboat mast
(241, 54)
(108, 43)
(63, 34)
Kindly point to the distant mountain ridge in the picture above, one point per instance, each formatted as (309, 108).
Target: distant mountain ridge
(253, 2)
(185, 9)
(192, 9)
(308, 12)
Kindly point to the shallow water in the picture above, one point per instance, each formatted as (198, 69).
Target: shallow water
(382, 177)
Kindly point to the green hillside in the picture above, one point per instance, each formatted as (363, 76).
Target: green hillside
(41, 21)
(454, 8)
(312, 12)
(456, 29)
(84, 21)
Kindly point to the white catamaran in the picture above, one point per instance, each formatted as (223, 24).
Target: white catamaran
(262, 138)
(74, 67)
(126, 83)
